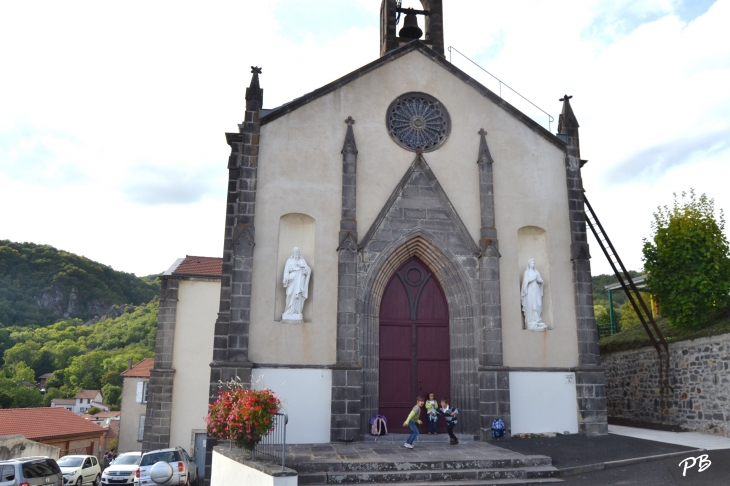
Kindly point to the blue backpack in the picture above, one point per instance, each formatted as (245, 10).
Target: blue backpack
(497, 428)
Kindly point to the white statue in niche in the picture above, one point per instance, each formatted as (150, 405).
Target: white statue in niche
(296, 282)
(531, 296)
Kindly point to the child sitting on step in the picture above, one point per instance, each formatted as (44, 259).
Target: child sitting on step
(451, 414)
(431, 408)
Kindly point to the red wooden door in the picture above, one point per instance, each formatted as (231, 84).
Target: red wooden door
(414, 344)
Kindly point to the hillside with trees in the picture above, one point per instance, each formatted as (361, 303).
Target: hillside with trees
(65, 315)
(40, 285)
(79, 356)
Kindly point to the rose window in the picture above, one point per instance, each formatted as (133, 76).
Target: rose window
(417, 121)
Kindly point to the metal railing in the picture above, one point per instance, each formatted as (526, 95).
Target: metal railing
(502, 83)
(273, 446)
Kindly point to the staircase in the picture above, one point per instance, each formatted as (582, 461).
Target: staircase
(525, 470)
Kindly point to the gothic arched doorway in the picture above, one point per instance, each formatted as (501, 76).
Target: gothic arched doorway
(414, 343)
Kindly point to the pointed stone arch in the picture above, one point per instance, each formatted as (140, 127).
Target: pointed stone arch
(457, 281)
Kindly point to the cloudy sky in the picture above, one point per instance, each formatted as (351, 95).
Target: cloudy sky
(113, 114)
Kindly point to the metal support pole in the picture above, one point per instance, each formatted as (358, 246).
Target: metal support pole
(610, 312)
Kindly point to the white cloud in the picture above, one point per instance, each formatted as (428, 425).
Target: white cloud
(103, 86)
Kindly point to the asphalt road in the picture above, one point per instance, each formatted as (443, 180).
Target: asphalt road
(666, 472)
(581, 450)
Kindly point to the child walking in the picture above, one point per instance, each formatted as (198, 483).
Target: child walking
(451, 414)
(431, 409)
(411, 422)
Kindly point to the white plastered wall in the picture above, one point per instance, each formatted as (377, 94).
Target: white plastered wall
(543, 402)
(305, 398)
(197, 310)
(300, 170)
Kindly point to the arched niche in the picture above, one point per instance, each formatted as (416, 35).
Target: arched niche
(295, 229)
(532, 243)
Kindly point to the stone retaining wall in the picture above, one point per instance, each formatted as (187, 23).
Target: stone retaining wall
(700, 380)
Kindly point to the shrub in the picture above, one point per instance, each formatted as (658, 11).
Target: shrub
(688, 261)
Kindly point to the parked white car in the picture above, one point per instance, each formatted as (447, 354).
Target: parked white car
(166, 467)
(122, 469)
(78, 470)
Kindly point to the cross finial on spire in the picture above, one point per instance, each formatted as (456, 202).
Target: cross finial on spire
(484, 155)
(565, 97)
(349, 147)
(254, 93)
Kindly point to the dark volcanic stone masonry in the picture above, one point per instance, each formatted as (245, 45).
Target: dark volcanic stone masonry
(699, 377)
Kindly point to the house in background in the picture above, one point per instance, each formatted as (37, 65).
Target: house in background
(134, 403)
(189, 299)
(82, 402)
(85, 399)
(67, 403)
(56, 427)
(103, 419)
(42, 380)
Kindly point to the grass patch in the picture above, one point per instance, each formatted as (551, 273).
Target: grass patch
(635, 337)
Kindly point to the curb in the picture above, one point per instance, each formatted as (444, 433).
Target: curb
(572, 471)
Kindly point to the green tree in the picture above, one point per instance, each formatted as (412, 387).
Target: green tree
(6, 399)
(112, 394)
(26, 397)
(93, 410)
(627, 317)
(43, 361)
(55, 380)
(64, 351)
(50, 394)
(603, 319)
(20, 352)
(688, 261)
(85, 371)
(23, 372)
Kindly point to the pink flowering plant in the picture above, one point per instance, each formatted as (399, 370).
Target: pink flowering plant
(242, 416)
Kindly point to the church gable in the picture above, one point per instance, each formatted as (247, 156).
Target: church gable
(414, 46)
(419, 203)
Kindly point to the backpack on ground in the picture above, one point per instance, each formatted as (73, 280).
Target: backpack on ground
(497, 428)
(378, 425)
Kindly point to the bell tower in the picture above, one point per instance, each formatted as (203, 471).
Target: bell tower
(392, 37)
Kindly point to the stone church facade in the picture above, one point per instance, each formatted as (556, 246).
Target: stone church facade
(417, 197)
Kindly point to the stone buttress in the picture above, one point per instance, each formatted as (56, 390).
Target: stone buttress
(589, 375)
(230, 345)
(347, 372)
(494, 398)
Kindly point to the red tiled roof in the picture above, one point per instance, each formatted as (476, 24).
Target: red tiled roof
(112, 430)
(44, 423)
(197, 265)
(106, 415)
(141, 369)
(88, 394)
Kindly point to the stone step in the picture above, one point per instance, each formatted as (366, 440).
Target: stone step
(493, 482)
(490, 482)
(401, 438)
(420, 465)
(428, 475)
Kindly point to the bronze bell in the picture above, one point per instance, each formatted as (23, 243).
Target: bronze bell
(410, 28)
